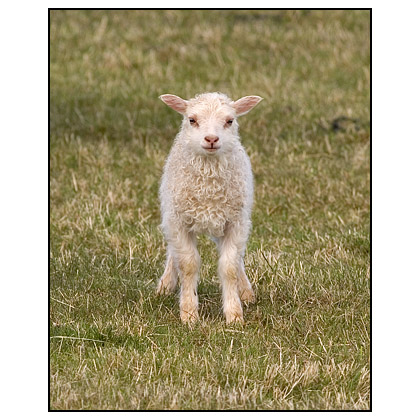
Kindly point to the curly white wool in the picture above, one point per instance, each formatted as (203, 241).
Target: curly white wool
(204, 194)
(207, 187)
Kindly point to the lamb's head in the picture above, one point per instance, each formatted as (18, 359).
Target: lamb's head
(209, 126)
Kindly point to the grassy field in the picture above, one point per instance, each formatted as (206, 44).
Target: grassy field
(305, 343)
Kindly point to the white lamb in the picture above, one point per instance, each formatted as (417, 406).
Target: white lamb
(207, 187)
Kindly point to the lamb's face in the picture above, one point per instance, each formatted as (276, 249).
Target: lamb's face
(209, 126)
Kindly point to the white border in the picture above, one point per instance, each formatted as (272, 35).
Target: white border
(396, 178)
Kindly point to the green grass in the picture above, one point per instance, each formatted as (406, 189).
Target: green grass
(305, 343)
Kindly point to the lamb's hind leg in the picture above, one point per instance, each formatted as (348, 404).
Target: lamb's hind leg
(168, 281)
(244, 286)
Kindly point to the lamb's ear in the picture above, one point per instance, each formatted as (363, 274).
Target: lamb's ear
(245, 104)
(175, 102)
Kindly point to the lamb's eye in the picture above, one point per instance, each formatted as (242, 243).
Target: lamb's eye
(192, 121)
(229, 122)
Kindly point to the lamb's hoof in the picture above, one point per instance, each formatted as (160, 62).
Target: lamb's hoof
(189, 316)
(164, 287)
(247, 296)
(234, 317)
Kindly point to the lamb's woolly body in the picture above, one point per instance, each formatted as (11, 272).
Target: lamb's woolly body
(205, 193)
(207, 187)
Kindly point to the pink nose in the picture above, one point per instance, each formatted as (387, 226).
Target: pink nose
(211, 139)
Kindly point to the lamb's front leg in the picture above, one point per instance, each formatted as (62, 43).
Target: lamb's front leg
(188, 263)
(229, 269)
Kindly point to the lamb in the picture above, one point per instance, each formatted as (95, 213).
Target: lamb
(207, 187)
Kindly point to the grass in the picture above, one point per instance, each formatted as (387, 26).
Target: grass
(305, 343)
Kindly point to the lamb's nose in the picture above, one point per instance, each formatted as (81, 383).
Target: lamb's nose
(211, 139)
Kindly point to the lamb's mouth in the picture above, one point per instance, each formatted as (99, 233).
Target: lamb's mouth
(211, 149)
